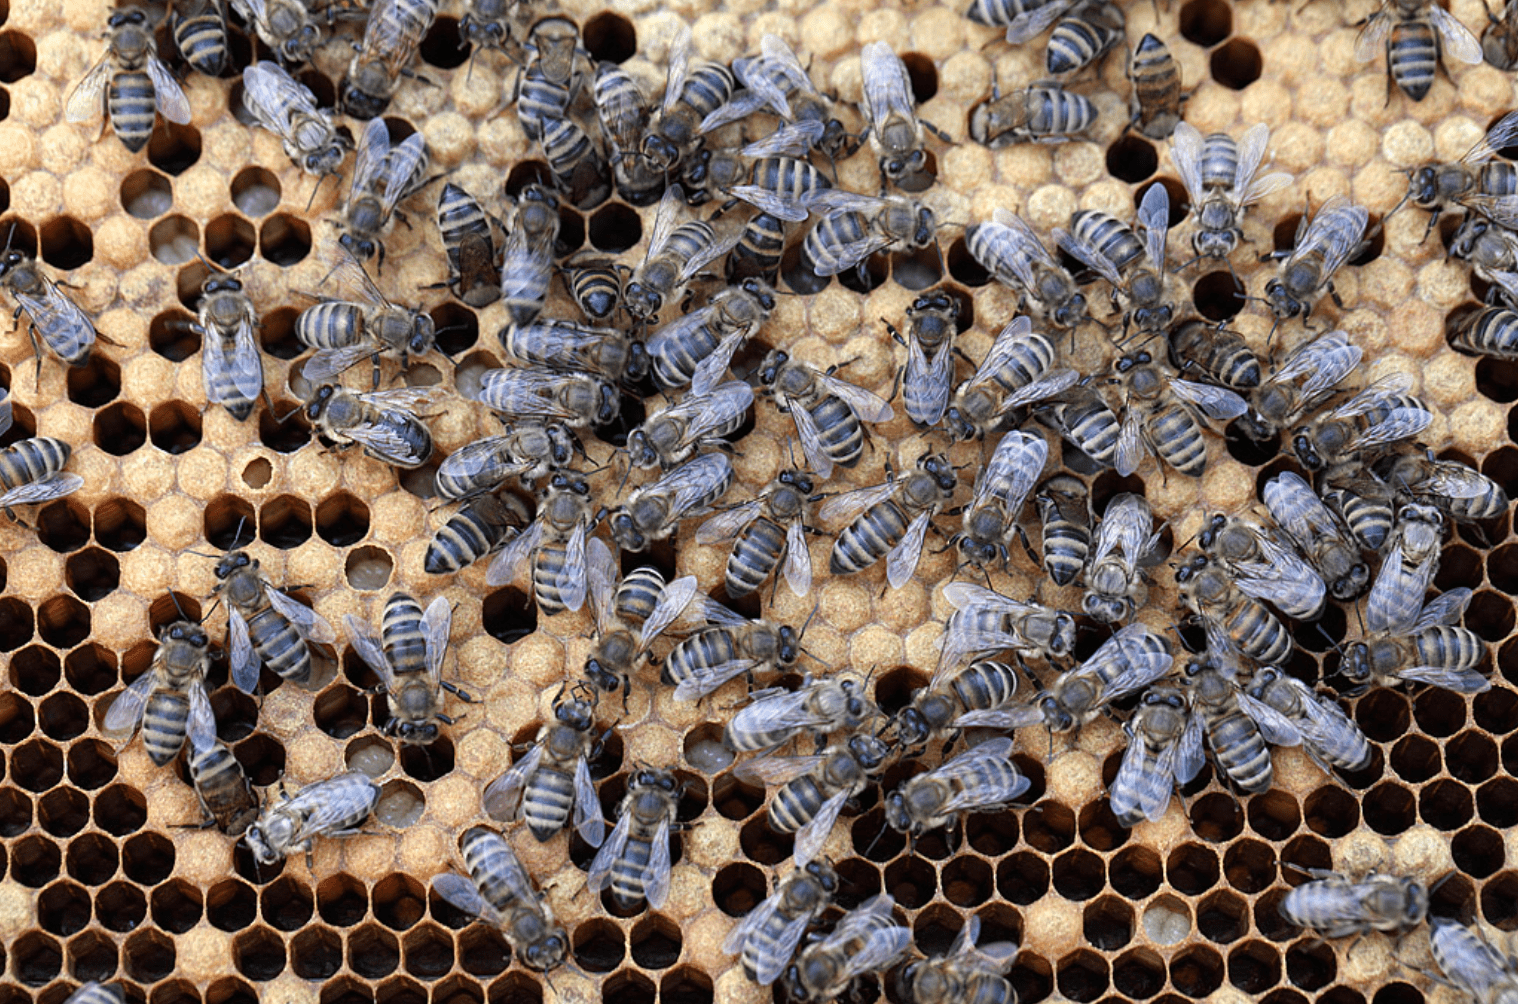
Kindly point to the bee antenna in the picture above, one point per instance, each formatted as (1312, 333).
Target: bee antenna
(870, 849)
(288, 415)
(314, 189)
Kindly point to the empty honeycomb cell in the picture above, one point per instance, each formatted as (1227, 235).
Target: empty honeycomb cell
(967, 881)
(120, 810)
(1446, 804)
(284, 428)
(1219, 296)
(148, 956)
(739, 887)
(91, 956)
(991, 833)
(1108, 923)
(286, 904)
(599, 946)
(63, 717)
(1490, 615)
(1283, 995)
(483, 951)
(1267, 914)
(176, 906)
(399, 901)
(1079, 875)
(174, 148)
(285, 522)
(1132, 158)
(655, 942)
(1469, 759)
(935, 929)
(162, 612)
(63, 909)
(67, 244)
(627, 987)
(92, 574)
(871, 839)
(1383, 715)
(1082, 976)
(120, 907)
(284, 240)
(614, 228)
(259, 954)
(1236, 64)
(92, 859)
(174, 427)
(429, 762)
(1191, 869)
(340, 711)
(1497, 379)
(1332, 812)
(1497, 802)
(37, 765)
(1389, 808)
(1217, 817)
(147, 858)
(1049, 827)
(1023, 878)
(1311, 964)
(1254, 967)
(229, 523)
(508, 615)
(174, 240)
(230, 240)
(373, 952)
(34, 671)
(36, 958)
(64, 526)
(120, 428)
(1197, 971)
(16, 627)
(341, 900)
(91, 764)
(686, 985)
(1206, 22)
(63, 812)
(316, 953)
(262, 758)
(341, 519)
(346, 990)
(1458, 565)
(174, 992)
(458, 329)
(172, 335)
(912, 881)
(1138, 973)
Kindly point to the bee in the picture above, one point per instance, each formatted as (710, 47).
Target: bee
(768, 935)
(1364, 504)
(486, 24)
(706, 660)
(595, 285)
(1135, 268)
(169, 700)
(675, 434)
(97, 993)
(1459, 491)
(1323, 243)
(266, 626)
(527, 260)
(983, 778)
(760, 247)
(814, 789)
(527, 452)
(618, 651)
(693, 91)
(384, 423)
(853, 227)
(578, 167)
(343, 332)
(391, 36)
(1336, 907)
(500, 891)
(984, 621)
(568, 347)
(698, 346)
(1125, 545)
(957, 698)
(535, 394)
(481, 527)
(634, 860)
(1408, 570)
(408, 656)
(866, 940)
(225, 795)
(1248, 625)
(767, 173)
(624, 113)
(676, 253)
(653, 511)
(1415, 34)
(896, 133)
(1379, 415)
(1320, 534)
(1064, 512)
(555, 47)
(776, 78)
(1219, 176)
(1238, 741)
(1017, 370)
(555, 544)
(31, 471)
(1472, 964)
(1157, 97)
(1160, 415)
(1478, 180)
(890, 520)
(1264, 565)
(827, 411)
(231, 368)
(1001, 488)
(288, 109)
(1428, 648)
(1302, 382)
(777, 715)
(382, 176)
(1130, 660)
(552, 781)
(284, 26)
(765, 532)
(1484, 331)
(1009, 249)
(1329, 736)
(931, 328)
(336, 807)
(128, 83)
(1083, 417)
(1164, 747)
(1499, 41)
(1085, 34)
(966, 973)
(1023, 19)
(200, 34)
(62, 327)
(1220, 355)
(1044, 113)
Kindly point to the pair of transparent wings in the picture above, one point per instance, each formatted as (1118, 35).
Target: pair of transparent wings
(832, 203)
(390, 172)
(982, 777)
(886, 86)
(355, 286)
(967, 635)
(768, 81)
(1134, 436)
(1316, 367)
(1299, 512)
(1327, 734)
(1144, 778)
(866, 405)
(1016, 339)
(878, 938)
(1395, 603)
(1153, 218)
(241, 655)
(667, 218)
(796, 566)
(508, 564)
(1278, 575)
(700, 416)
(276, 99)
(233, 354)
(1010, 475)
(126, 711)
(331, 807)
(531, 394)
(1126, 529)
(57, 318)
(86, 102)
(1333, 234)
(462, 892)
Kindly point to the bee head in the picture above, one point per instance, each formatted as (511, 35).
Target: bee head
(797, 480)
(643, 302)
(319, 402)
(361, 248)
(259, 845)
(937, 300)
(637, 362)
(789, 649)
(922, 233)
(660, 151)
(1071, 312)
(545, 954)
(976, 552)
(769, 370)
(1153, 318)
(1282, 303)
(561, 444)
(416, 733)
(1062, 639)
(191, 634)
(1055, 716)
(1108, 609)
(639, 450)
(911, 727)
(823, 872)
(221, 284)
(1208, 537)
(896, 812)
(959, 430)
(1306, 451)
(232, 562)
(609, 403)
(626, 533)
(422, 335)
(759, 290)
(869, 751)
(937, 465)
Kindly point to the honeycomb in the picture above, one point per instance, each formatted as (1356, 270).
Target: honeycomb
(103, 872)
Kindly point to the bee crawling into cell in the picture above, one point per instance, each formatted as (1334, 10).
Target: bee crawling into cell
(336, 807)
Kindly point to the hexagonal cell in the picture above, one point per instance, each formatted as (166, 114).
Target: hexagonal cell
(400, 804)
(1108, 923)
(316, 953)
(1254, 967)
(655, 942)
(34, 671)
(63, 812)
(63, 717)
(1082, 976)
(176, 906)
(509, 615)
(373, 952)
(16, 624)
(91, 763)
(174, 427)
(483, 951)
(399, 901)
(1135, 872)
(259, 954)
(174, 992)
(63, 621)
(346, 990)
(1022, 878)
(340, 711)
(1389, 808)
(1223, 917)
(1049, 827)
(1415, 758)
(286, 904)
(92, 574)
(1249, 866)
(1192, 869)
(1494, 711)
(37, 765)
(67, 243)
(147, 858)
(1311, 964)
(1197, 971)
(230, 240)
(91, 859)
(1439, 712)
(1446, 804)
(1497, 802)
(429, 762)
(763, 845)
(966, 880)
(1079, 875)
(174, 240)
(1218, 817)
(120, 907)
(229, 523)
(341, 900)
(1167, 920)
(17, 719)
(120, 524)
(91, 956)
(148, 956)
(64, 526)
(36, 959)
(1383, 715)
(146, 194)
(738, 888)
(63, 909)
(1138, 973)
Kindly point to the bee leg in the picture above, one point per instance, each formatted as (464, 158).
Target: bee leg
(930, 127)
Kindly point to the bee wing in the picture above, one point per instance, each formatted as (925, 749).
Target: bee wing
(708, 678)
(798, 559)
(869, 406)
(933, 381)
(779, 710)
(503, 796)
(1142, 792)
(51, 487)
(201, 725)
(1394, 600)
(807, 430)
(811, 837)
(1277, 729)
(901, 560)
(601, 581)
(1001, 718)
(241, 657)
(692, 481)
(600, 868)
(1189, 757)
(778, 204)
(1126, 527)
(969, 596)
(1154, 217)
(167, 94)
(1027, 26)
(1023, 235)
(86, 102)
(1088, 254)
(1461, 681)
(1372, 37)
(745, 103)
(238, 358)
(718, 246)
(729, 523)
(573, 592)
(1454, 481)
(770, 965)
(1012, 472)
(775, 770)
(794, 139)
(1006, 345)
(369, 648)
(437, 621)
(1186, 151)
(843, 508)
(656, 872)
(327, 364)
(369, 157)
(971, 789)
(1384, 389)
(708, 371)
(587, 817)
(1251, 154)
(1297, 509)
(272, 96)
(1049, 385)
(1141, 661)
(1216, 402)
(679, 66)
(1337, 242)
(851, 253)
(126, 710)
(523, 393)
(1130, 443)
(462, 893)
(403, 168)
(1284, 579)
(1446, 608)
(672, 602)
(311, 625)
(832, 201)
(886, 87)
(781, 58)
(324, 812)
(666, 218)
(1457, 38)
(5, 411)
(508, 562)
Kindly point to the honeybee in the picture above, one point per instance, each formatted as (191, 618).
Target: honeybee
(1415, 33)
(1381, 414)
(408, 656)
(984, 621)
(1009, 249)
(653, 511)
(1018, 370)
(676, 433)
(694, 90)
(1477, 181)
(595, 285)
(288, 109)
(54, 318)
(1160, 416)
(384, 422)
(981, 779)
(623, 114)
(777, 715)
(336, 807)
(1083, 417)
(890, 520)
(137, 80)
(1329, 736)
(343, 332)
(1320, 534)
(225, 795)
(765, 532)
(1125, 545)
(574, 348)
(285, 26)
(1484, 331)
(487, 24)
(767, 936)
(1044, 113)
(391, 36)
(896, 133)
(1459, 491)
(1084, 35)
(1323, 243)
(634, 861)
(814, 789)
(1001, 488)
(231, 368)
(382, 176)
(578, 168)
(777, 78)
(527, 452)
(866, 940)
(1499, 40)
(1064, 513)
(467, 237)
(1023, 19)
(956, 698)
(827, 411)
(1220, 181)
(767, 173)
(1217, 353)
(966, 973)
(199, 28)
(706, 660)
(1364, 504)
(31, 471)
(618, 651)
(169, 700)
(1302, 382)
(676, 253)
(1164, 748)
(1427, 646)
(1472, 964)
(1157, 97)
(760, 247)
(552, 783)
(527, 259)
(555, 544)
(97, 993)
(1237, 739)
(1265, 565)
(1248, 625)
(1112, 250)
(698, 346)
(479, 528)
(1336, 906)
(534, 394)
(853, 227)
(931, 328)
(500, 891)
(1130, 660)
(265, 626)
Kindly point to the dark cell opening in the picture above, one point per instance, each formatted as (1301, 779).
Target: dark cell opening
(428, 952)
(1439, 712)
(35, 860)
(1457, 566)
(1415, 759)
(923, 75)
(422, 481)
(149, 956)
(120, 907)
(1218, 295)
(765, 846)
(37, 765)
(174, 148)
(148, 858)
(483, 951)
(627, 987)
(1217, 817)
(1049, 827)
(655, 942)
(399, 901)
(340, 711)
(18, 56)
(917, 270)
(1372, 245)
(286, 904)
(686, 985)
(63, 812)
(1236, 64)
(34, 671)
(96, 383)
(876, 269)
(599, 946)
(230, 240)
(92, 574)
(229, 522)
(615, 228)
(284, 240)
(63, 717)
(171, 334)
(1446, 804)
(1383, 715)
(67, 243)
(16, 719)
(1497, 379)
(429, 762)
(1222, 917)
(738, 888)
(120, 429)
(509, 615)
(1254, 967)
(1108, 923)
(1132, 159)
(63, 909)
(176, 906)
(345, 990)
(798, 275)
(528, 172)
(967, 881)
(1192, 869)
(1499, 898)
(610, 37)
(341, 900)
(285, 522)
(1472, 757)
(284, 427)
(1389, 808)
(1197, 971)
(442, 46)
(458, 328)
(1274, 815)
(20, 234)
(174, 427)
(120, 810)
(1310, 964)
(259, 954)
(1332, 812)
(1478, 851)
(316, 954)
(161, 612)
(342, 519)
(92, 956)
(1134, 872)
(991, 833)
(963, 267)
(255, 191)
(1079, 875)
(16, 627)
(912, 881)
(1206, 22)
(1023, 878)
(1138, 973)
(1082, 976)
(36, 958)
(1490, 615)
(373, 952)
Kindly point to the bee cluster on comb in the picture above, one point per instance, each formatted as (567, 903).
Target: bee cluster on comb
(458, 629)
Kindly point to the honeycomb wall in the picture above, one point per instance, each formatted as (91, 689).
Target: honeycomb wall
(102, 873)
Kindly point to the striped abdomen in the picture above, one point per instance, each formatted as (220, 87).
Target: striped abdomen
(839, 431)
(549, 579)
(331, 325)
(867, 539)
(279, 646)
(164, 723)
(755, 554)
(1239, 748)
(132, 105)
(628, 869)
(547, 801)
(32, 460)
(1178, 439)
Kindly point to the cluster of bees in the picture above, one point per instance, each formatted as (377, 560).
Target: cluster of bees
(1367, 520)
